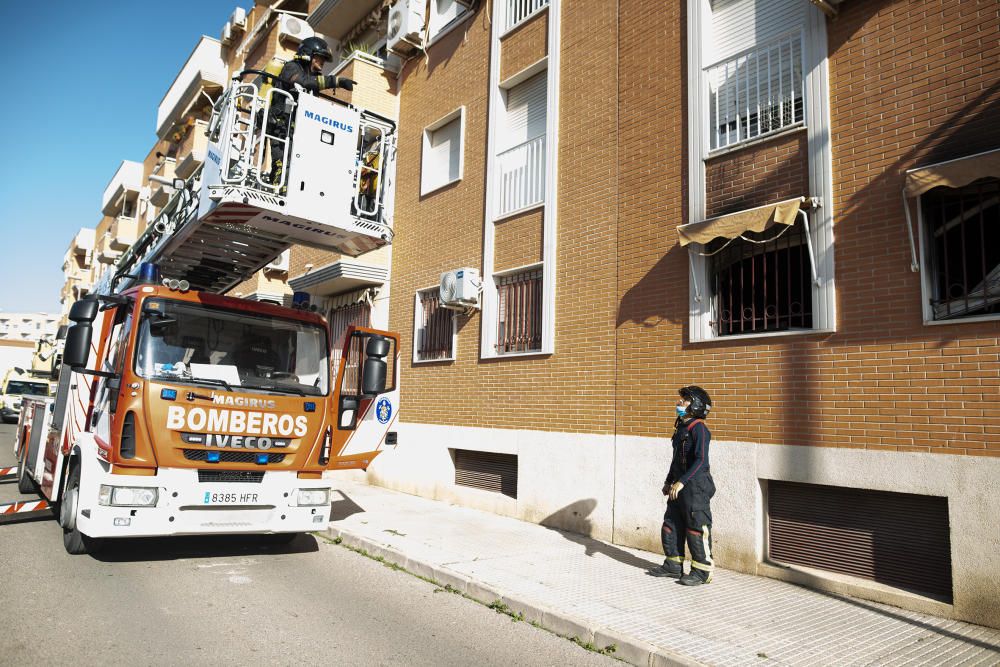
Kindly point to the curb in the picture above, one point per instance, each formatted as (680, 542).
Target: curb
(627, 648)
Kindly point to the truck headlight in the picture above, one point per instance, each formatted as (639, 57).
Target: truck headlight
(312, 497)
(127, 496)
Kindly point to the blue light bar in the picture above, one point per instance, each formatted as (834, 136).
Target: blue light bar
(300, 299)
(168, 394)
(212, 457)
(310, 406)
(149, 273)
(261, 459)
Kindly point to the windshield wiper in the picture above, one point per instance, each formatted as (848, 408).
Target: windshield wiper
(274, 387)
(184, 378)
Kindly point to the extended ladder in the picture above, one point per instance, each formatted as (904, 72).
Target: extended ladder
(237, 213)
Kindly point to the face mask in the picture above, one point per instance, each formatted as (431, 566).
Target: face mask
(681, 410)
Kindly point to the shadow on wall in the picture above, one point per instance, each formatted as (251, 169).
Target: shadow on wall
(573, 523)
(651, 300)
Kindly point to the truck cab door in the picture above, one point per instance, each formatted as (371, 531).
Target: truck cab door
(113, 348)
(366, 397)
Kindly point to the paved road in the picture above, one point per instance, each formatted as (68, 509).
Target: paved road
(170, 601)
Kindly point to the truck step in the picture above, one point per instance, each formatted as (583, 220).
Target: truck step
(24, 507)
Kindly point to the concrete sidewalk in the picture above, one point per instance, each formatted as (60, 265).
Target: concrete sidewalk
(600, 593)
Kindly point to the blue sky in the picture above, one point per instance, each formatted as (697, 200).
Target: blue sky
(83, 81)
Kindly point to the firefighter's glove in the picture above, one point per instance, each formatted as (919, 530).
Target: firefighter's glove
(666, 489)
(675, 490)
(345, 83)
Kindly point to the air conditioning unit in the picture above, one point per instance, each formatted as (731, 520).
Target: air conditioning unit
(460, 289)
(279, 264)
(293, 28)
(227, 33)
(406, 26)
(238, 19)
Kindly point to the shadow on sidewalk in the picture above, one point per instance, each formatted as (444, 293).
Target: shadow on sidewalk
(572, 522)
(343, 508)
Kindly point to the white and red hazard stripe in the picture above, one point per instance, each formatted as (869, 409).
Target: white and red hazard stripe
(26, 506)
(6, 472)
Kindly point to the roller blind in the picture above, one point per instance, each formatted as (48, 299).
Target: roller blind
(738, 25)
(524, 116)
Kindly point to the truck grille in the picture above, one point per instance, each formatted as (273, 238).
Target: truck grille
(215, 476)
(231, 457)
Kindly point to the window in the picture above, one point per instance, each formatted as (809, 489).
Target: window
(442, 154)
(752, 53)
(521, 146)
(445, 14)
(516, 11)
(434, 329)
(356, 314)
(760, 282)
(962, 250)
(519, 307)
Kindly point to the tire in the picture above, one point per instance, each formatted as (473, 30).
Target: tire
(74, 541)
(24, 482)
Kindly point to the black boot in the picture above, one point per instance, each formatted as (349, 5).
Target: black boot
(695, 578)
(669, 569)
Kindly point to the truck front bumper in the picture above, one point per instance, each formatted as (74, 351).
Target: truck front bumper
(10, 414)
(187, 506)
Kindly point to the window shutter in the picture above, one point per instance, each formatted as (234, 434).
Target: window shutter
(444, 152)
(525, 112)
(738, 25)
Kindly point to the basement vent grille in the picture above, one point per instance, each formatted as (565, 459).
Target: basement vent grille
(486, 470)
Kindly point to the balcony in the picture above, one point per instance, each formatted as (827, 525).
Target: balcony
(521, 177)
(82, 244)
(160, 193)
(126, 180)
(124, 232)
(204, 73)
(193, 149)
(374, 90)
(336, 18)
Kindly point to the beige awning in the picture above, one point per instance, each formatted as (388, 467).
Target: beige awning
(953, 173)
(732, 225)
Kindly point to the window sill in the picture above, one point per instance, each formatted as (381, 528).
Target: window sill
(772, 334)
(442, 360)
(962, 320)
(517, 355)
(514, 214)
(452, 25)
(442, 186)
(756, 141)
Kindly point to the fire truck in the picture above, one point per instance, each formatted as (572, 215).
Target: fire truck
(181, 411)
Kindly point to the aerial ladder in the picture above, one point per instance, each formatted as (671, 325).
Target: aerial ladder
(183, 411)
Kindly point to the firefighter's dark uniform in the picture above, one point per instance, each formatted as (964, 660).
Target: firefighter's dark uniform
(689, 518)
(296, 71)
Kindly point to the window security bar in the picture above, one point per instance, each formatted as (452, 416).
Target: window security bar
(519, 321)
(756, 93)
(434, 336)
(521, 174)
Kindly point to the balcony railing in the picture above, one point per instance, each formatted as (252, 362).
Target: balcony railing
(521, 174)
(516, 11)
(755, 93)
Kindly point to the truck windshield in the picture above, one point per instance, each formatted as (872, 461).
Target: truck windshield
(22, 387)
(184, 342)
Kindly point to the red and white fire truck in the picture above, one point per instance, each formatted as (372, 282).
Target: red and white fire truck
(181, 411)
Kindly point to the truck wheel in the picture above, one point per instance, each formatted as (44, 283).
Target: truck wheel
(74, 541)
(24, 482)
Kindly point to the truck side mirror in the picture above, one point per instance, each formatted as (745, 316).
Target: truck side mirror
(374, 373)
(84, 310)
(77, 347)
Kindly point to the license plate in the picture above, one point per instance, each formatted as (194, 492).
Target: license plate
(230, 498)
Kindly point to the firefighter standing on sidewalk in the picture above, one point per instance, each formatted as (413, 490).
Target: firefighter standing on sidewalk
(689, 487)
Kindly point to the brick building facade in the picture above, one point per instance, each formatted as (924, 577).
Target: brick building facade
(844, 392)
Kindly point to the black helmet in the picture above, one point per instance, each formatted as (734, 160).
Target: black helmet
(701, 402)
(314, 46)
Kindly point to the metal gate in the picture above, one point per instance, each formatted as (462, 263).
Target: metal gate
(897, 539)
